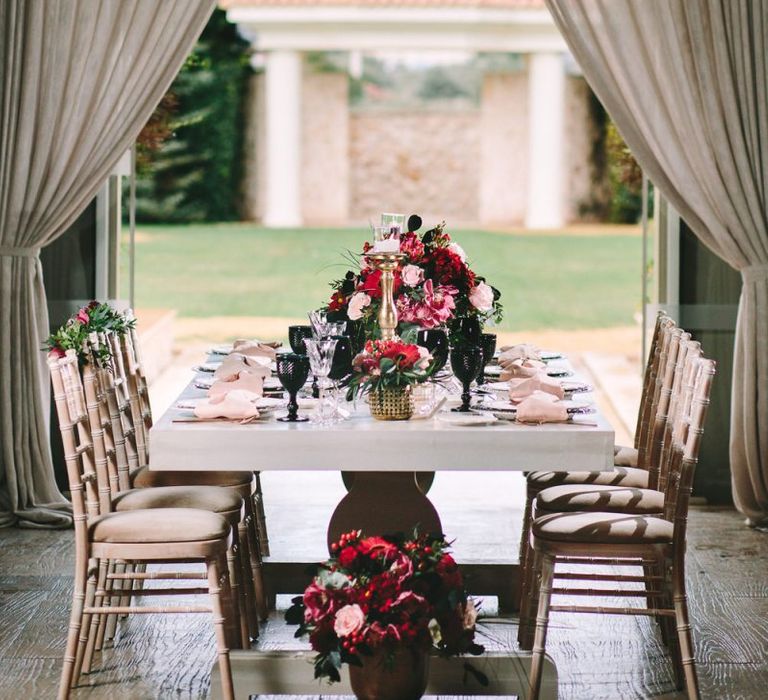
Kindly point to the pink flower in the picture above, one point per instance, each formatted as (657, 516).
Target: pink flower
(349, 619)
(82, 316)
(424, 358)
(481, 297)
(357, 303)
(317, 602)
(56, 353)
(412, 275)
(435, 309)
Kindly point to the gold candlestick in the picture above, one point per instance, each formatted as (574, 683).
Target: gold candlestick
(387, 263)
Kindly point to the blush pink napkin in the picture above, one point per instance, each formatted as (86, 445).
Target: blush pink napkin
(248, 381)
(522, 351)
(541, 408)
(515, 369)
(520, 389)
(237, 405)
(255, 348)
(236, 364)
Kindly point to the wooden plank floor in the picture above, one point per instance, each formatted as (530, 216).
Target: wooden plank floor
(597, 657)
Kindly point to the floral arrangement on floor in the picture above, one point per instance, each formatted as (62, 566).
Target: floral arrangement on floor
(94, 317)
(434, 286)
(389, 364)
(385, 593)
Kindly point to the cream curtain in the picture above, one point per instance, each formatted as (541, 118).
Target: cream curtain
(78, 80)
(686, 83)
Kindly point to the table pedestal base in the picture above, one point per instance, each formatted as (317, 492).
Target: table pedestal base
(383, 502)
(290, 673)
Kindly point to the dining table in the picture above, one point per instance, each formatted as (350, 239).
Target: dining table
(382, 461)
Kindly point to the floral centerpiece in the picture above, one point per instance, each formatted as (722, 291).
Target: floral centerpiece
(96, 317)
(433, 287)
(377, 597)
(386, 370)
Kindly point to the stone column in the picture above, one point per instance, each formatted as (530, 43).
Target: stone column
(282, 87)
(546, 91)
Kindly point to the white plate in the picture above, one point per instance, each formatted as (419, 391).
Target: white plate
(221, 349)
(493, 370)
(265, 403)
(204, 382)
(571, 386)
(207, 367)
(452, 418)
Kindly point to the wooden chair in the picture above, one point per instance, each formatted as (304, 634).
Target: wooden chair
(560, 537)
(114, 441)
(682, 361)
(181, 535)
(636, 476)
(132, 361)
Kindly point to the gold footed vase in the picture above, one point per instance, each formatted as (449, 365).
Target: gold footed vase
(401, 676)
(391, 403)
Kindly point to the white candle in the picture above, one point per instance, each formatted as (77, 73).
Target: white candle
(388, 245)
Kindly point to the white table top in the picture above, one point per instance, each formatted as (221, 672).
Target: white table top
(364, 444)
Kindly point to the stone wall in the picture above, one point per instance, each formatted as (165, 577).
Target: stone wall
(424, 162)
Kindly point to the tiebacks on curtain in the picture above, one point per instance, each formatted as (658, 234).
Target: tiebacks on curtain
(750, 273)
(14, 252)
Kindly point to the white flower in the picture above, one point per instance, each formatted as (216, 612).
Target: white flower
(357, 303)
(412, 275)
(424, 359)
(481, 297)
(458, 250)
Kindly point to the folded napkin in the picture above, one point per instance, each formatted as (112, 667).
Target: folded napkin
(235, 364)
(515, 369)
(541, 408)
(247, 381)
(522, 351)
(522, 388)
(237, 405)
(255, 348)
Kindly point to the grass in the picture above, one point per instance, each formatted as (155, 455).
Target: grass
(546, 280)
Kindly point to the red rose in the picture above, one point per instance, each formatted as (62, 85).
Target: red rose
(92, 305)
(449, 268)
(372, 284)
(448, 570)
(57, 353)
(347, 557)
(375, 547)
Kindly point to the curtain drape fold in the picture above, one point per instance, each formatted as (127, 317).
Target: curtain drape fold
(686, 82)
(78, 80)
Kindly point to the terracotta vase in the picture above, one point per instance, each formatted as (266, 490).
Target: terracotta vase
(391, 403)
(402, 676)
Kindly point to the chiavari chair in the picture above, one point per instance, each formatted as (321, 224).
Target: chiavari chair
(101, 380)
(181, 535)
(560, 537)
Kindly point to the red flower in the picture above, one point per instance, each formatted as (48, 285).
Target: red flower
(449, 268)
(338, 302)
(449, 572)
(56, 352)
(411, 245)
(82, 316)
(92, 305)
(372, 284)
(375, 547)
(347, 557)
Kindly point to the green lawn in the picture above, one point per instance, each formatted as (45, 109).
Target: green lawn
(547, 281)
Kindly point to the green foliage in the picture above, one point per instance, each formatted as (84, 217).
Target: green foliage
(195, 174)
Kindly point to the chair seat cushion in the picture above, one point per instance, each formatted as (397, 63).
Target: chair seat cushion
(625, 457)
(602, 528)
(619, 476)
(608, 499)
(144, 478)
(211, 498)
(144, 527)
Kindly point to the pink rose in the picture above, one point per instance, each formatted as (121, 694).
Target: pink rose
(349, 619)
(412, 275)
(481, 297)
(357, 303)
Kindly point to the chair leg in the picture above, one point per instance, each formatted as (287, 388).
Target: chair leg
(238, 604)
(117, 599)
(76, 623)
(86, 658)
(684, 634)
(215, 575)
(525, 533)
(261, 517)
(542, 621)
(246, 576)
(109, 600)
(230, 604)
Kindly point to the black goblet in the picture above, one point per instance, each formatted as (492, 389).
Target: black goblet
(341, 365)
(488, 346)
(466, 331)
(292, 371)
(436, 341)
(296, 337)
(466, 363)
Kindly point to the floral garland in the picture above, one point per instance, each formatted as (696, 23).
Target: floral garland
(385, 593)
(433, 287)
(97, 317)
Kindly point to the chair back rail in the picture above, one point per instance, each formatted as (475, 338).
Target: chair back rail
(651, 370)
